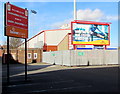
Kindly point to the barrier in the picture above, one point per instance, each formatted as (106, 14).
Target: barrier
(81, 57)
(59, 58)
(66, 58)
(111, 57)
(95, 57)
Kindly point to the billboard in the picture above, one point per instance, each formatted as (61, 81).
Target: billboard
(16, 21)
(90, 33)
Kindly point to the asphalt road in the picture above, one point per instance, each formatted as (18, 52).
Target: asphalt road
(46, 78)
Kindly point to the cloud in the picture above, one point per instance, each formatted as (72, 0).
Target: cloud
(61, 24)
(1, 42)
(111, 18)
(88, 15)
(95, 15)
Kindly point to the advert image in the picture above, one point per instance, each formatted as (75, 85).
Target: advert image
(90, 33)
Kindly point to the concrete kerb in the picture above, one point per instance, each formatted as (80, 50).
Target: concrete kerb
(59, 67)
(73, 67)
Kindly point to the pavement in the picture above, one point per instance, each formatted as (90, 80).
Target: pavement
(47, 78)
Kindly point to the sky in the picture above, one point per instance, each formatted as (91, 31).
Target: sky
(52, 15)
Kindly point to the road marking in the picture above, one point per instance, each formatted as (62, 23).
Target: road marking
(55, 82)
(20, 85)
(47, 90)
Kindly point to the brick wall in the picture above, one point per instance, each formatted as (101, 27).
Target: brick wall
(51, 48)
(33, 55)
(1, 51)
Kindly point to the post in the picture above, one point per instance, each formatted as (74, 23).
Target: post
(75, 13)
(74, 47)
(25, 59)
(8, 59)
(105, 47)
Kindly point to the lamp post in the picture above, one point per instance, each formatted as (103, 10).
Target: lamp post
(75, 17)
(75, 12)
(33, 11)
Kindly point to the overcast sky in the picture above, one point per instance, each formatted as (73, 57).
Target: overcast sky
(51, 15)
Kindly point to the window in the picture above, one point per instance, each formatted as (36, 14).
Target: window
(29, 56)
(35, 55)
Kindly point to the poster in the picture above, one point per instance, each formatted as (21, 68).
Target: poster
(91, 34)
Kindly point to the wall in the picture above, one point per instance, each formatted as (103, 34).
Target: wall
(19, 55)
(51, 48)
(81, 57)
(35, 42)
(55, 37)
(1, 51)
(49, 37)
(63, 45)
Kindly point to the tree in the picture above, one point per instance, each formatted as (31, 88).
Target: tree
(15, 42)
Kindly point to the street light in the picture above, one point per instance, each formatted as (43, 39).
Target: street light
(33, 11)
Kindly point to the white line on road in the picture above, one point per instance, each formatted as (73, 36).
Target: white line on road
(55, 82)
(60, 89)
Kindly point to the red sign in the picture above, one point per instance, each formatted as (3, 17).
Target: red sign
(16, 21)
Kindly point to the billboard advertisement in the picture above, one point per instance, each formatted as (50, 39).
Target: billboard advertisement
(16, 21)
(90, 34)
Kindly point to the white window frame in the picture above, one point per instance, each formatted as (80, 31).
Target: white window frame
(35, 54)
(29, 57)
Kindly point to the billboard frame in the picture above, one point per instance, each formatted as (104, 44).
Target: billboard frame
(90, 22)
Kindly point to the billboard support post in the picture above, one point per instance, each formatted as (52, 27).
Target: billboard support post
(74, 47)
(105, 47)
(8, 70)
(8, 58)
(25, 59)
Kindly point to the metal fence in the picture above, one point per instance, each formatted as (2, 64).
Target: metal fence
(81, 57)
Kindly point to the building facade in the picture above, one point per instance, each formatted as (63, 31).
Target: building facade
(51, 40)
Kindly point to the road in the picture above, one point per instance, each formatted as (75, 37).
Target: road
(46, 78)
